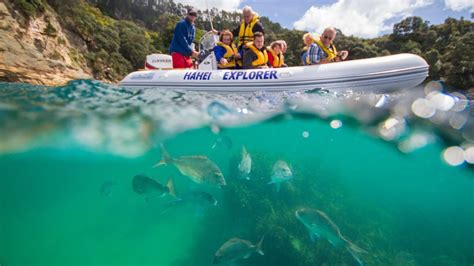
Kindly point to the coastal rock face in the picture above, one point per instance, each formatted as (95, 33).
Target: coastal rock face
(39, 50)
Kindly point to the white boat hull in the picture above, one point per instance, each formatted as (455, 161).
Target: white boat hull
(386, 73)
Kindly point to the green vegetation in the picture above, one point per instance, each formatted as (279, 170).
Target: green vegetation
(30, 8)
(50, 30)
(119, 34)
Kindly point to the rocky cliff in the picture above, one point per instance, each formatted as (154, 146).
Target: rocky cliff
(38, 50)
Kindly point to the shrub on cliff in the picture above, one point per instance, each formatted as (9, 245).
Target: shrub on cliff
(30, 8)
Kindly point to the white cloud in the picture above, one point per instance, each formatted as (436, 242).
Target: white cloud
(363, 18)
(228, 5)
(459, 5)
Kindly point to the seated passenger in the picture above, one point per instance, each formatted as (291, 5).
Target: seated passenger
(226, 52)
(255, 54)
(284, 47)
(327, 50)
(311, 53)
(275, 56)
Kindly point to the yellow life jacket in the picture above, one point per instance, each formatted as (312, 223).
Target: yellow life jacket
(231, 51)
(332, 53)
(277, 58)
(262, 56)
(245, 32)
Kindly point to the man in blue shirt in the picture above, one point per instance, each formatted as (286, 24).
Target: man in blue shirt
(181, 48)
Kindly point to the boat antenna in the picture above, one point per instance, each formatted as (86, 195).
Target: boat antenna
(209, 14)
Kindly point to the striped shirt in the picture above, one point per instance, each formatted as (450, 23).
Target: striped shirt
(313, 55)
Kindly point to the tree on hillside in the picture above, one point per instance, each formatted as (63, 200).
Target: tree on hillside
(458, 62)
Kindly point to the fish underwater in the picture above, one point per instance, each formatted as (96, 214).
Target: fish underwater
(198, 168)
(235, 249)
(245, 165)
(144, 185)
(321, 226)
(281, 173)
(198, 199)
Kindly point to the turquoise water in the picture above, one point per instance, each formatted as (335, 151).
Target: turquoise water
(396, 177)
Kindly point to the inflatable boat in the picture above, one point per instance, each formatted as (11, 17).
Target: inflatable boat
(385, 73)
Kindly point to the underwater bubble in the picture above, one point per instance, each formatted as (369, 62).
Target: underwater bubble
(245, 111)
(414, 142)
(469, 155)
(457, 121)
(440, 117)
(433, 86)
(454, 155)
(336, 124)
(461, 102)
(423, 108)
(392, 128)
(305, 134)
(441, 101)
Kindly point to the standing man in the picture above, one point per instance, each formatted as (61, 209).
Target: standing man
(247, 29)
(181, 48)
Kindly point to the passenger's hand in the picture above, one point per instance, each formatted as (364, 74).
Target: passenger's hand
(237, 56)
(223, 61)
(343, 54)
(215, 32)
(195, 53)
(264, 67)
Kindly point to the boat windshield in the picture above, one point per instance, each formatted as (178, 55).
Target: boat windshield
(208, 41)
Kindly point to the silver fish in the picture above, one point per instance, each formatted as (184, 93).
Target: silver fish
(281, 173)
(321, 226)
(245, 165)
(198, 168)
(147, 186)
(235, 249)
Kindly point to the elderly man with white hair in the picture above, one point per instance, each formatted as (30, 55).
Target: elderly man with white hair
(247, 28)
(327, 51)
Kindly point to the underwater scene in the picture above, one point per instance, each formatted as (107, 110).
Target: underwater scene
(95, 174)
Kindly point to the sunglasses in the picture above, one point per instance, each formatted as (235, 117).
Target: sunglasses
(327, 37)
